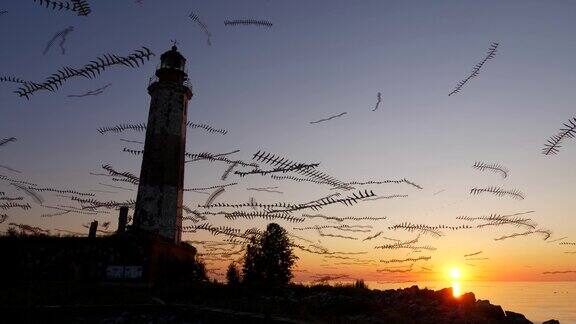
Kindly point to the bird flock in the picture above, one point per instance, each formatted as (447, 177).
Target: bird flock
(313, 230)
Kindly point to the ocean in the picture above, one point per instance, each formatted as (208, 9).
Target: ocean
(538, 301)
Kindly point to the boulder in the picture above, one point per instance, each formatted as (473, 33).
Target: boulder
(516, 318)
(445, 294)
(467, 299)
(490, 312)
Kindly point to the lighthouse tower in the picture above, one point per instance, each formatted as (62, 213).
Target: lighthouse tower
(160, 191)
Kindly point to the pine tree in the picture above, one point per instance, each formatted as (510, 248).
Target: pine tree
(233, 275)
(252, 270)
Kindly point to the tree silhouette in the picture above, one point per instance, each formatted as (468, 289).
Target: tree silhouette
(269, 259)
(233, 275)
(252, 268)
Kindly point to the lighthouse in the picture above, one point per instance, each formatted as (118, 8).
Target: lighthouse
(160, 190)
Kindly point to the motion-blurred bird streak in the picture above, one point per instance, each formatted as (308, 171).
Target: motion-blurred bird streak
(203, 26)
(248, 22)
(94, 92)
(89, 71)
(378, 101)
(7, 140)
(81, 7)
(328, 118)
(553, 146)
(62, 35)
(499, 192)
(10, 169)
(494, 167)
(476, 69)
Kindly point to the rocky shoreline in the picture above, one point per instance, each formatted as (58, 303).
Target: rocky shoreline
(217, 303)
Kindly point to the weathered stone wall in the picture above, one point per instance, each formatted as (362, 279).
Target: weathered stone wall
(160, 192)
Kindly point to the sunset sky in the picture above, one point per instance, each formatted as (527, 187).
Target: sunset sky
(321, 58)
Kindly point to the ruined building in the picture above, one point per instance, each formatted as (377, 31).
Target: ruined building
(160, 192)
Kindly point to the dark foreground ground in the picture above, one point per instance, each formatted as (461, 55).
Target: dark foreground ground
(216, 303)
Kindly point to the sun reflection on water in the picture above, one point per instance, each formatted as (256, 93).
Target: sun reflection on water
(456, 289)
(455, 274)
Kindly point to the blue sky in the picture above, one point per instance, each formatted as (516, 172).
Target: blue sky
(321, 58)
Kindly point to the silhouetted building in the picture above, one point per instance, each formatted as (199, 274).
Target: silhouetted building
(122, 220)
(150, 251)
(127, 257)
(93, 229)
(160, 191)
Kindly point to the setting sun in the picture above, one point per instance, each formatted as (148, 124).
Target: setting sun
(455, 273)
